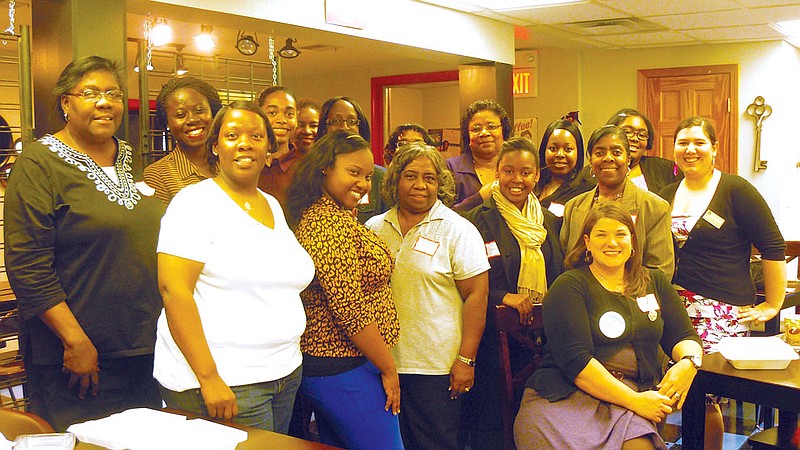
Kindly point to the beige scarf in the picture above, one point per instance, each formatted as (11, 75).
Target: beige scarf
(527, 227)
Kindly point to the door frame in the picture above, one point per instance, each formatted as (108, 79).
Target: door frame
(731, 70)
(378, 90)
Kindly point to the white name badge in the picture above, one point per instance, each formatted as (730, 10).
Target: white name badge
(612, 324)
(426, 246)
(557, 209)
(715, 220)
(648, 303)
(491, 249)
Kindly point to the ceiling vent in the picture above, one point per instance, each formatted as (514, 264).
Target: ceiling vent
(626, 25)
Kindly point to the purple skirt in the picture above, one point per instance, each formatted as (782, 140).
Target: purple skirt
(579, 422)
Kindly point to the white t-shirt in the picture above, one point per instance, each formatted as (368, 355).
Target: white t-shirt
(442, 248)
(248, 293)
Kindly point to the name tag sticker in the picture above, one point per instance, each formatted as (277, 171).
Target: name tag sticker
(715, 220)
(648, 303)
(426, 246)
(557, 209)
(491, 249)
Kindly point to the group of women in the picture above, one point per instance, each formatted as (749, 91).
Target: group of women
(126, 303)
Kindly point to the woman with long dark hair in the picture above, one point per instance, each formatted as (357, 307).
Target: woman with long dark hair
(349, 375)
(605, 320)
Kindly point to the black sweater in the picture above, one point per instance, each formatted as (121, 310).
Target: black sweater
(715, 263)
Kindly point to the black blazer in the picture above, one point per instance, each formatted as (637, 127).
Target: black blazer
(504, 271)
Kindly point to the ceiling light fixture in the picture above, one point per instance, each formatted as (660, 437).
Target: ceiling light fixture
(204, 40)
(161, 33)
(180, 64)
(289, 51)
(247, 44)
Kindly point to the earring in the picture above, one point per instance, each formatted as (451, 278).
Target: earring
(591, 171)
(214, 153)
(633, 252)
(588, 257)
(324, 171)
(66, 117)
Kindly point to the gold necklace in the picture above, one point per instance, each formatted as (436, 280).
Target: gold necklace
(619, 287)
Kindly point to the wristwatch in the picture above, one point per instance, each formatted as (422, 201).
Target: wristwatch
(697, 361)
(467, 361)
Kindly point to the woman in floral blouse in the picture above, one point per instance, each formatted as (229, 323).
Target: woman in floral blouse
(349, 375)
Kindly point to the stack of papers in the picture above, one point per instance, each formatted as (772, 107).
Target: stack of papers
(143, 428)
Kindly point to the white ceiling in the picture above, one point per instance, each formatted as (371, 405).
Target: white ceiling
(616, 24)
(591, 24)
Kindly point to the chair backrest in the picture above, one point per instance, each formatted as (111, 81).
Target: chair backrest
(529, 336)
(14, 423)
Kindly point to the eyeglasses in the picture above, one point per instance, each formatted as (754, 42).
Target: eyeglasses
(94, 96)
(340, 122)
(642, 135)
(402, 143)
(490, 127)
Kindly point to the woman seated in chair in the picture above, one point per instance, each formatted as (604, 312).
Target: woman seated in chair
(599, 384)
(521, 240)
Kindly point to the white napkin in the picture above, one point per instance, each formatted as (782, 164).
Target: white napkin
(5, 444)
(142, 428)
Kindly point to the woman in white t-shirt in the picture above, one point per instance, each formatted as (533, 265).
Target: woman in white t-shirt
(228, 340)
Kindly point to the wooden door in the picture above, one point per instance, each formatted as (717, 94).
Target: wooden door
(668, 96)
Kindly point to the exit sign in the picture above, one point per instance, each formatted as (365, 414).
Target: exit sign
(526, 74)
(525, 82)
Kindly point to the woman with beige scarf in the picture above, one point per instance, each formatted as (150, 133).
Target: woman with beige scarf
(521, 240)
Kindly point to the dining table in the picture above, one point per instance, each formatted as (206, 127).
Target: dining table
(774, 388)
(257, 439)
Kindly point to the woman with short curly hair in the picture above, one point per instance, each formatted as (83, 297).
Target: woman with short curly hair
(440, 286)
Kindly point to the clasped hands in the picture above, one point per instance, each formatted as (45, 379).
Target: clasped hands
(671, 393)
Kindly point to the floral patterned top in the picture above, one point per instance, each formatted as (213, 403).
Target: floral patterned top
(351, 286)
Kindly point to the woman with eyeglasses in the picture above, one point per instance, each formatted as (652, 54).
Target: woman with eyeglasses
(404, 134)
(185, 106)
(80, 249)
(647, 172)
(485, 125)
(344, 114)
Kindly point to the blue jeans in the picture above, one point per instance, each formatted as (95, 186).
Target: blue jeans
(266, 405)
(349, 410)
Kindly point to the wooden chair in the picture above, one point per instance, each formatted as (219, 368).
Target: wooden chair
(12, 371)
(509, 328)
(14, 423)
